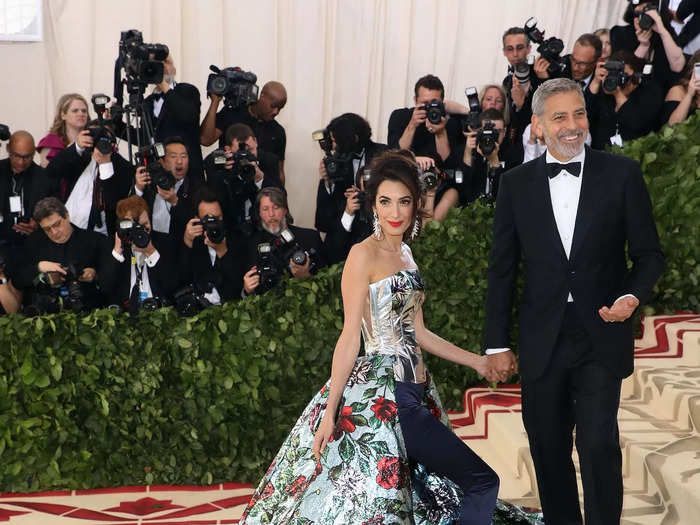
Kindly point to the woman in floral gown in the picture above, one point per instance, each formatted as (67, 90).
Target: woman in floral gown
(374, 445)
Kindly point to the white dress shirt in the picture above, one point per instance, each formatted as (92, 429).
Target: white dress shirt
(143, 262)
(79, 202)
(161, 209)
(213, 297)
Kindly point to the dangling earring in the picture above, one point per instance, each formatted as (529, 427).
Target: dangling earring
(376, 226)
(416, 228)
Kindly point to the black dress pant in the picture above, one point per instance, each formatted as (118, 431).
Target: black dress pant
(575, 391)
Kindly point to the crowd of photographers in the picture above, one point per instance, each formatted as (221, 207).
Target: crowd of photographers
(86, 227)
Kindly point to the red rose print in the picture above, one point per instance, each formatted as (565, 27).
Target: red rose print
(313, 417)
(344, 423)
(376, 520)
(390, 475)
(384, 409)
(432, 406)
(296, 487)
(268, 491)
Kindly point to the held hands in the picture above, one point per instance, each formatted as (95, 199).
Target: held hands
(323, 435)
(499, 367)
(620, 311)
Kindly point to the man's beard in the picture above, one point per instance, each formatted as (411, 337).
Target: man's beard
(566, 149)
(274, 231)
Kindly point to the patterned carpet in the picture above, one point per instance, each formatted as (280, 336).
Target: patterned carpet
(659, 430)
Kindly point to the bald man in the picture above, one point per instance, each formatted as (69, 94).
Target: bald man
(22, 184)
(259, 116)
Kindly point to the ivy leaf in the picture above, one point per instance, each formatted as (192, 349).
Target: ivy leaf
(346, 449)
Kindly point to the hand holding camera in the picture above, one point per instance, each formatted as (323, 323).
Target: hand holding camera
(251, 280)
(143, 178)
(193, 229)
(418, 117)
(541, 68)
(168, 195)
(51, 267)
(85, 140)
(87, 275)
(25, 226)
(302, 271)
(517, 93)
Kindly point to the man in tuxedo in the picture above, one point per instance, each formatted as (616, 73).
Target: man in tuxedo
(570, 214)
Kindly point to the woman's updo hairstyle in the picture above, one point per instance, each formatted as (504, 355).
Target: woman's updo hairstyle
(399, 166)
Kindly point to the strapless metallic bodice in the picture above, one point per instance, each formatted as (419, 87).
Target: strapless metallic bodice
(387, 326)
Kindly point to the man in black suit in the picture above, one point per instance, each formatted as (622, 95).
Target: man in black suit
(274, 221)
(95, 181)
(571, 214)
(23, 183)
(339, 210)
(211, 258)
(132, 274)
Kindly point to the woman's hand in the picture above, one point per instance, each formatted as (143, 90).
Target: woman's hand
(323, 435)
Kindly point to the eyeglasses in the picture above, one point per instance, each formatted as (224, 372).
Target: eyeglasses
(576, 63)
(55, 226)
(28, 156)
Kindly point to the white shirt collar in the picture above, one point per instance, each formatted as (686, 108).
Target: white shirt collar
(578, 158)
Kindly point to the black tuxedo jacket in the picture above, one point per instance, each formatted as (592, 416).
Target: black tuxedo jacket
(614, 213)
(69, 165)
(226, 274)
(115, 276)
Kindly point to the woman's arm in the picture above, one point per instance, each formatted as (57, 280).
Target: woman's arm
(355, 287)
(684, 98)
(674, 54)
(436, 345)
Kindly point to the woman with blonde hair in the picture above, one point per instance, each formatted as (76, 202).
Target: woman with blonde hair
(71, 117)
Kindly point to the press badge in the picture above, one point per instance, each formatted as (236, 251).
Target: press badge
(15, 204)
(616, 140)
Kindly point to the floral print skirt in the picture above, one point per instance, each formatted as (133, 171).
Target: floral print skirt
(364, 476)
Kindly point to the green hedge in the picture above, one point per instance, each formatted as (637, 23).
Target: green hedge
(106, 400)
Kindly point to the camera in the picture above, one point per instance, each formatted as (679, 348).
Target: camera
(213, 227)
(338, 166)
(142, 62)
(70, 291)
(243, 163)
(131, 232)
(616, 77)
(549, 49)
(430, 178)
(273, 258)
(471, 120)
(487, 138)
(523, 70)
(190, 300)
(4, 132)
(435, 110)
(150, 157)
(645, 21)
(238, 87)
(103, 139)
(267, 267)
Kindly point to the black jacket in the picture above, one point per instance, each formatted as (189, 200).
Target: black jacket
(423, 141)
(226, 274)
(692, 28)
(32, 185)
(115, 276)
(614, 214)
(68, 165)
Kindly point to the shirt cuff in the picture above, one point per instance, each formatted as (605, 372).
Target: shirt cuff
(626, 295)
(118, 256)
(259, 184)
(347, 220)
(138, 192)
(491, 351)
(153, 259)
(106, 170)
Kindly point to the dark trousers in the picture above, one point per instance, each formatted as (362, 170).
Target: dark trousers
(436, 447)
(575, 391)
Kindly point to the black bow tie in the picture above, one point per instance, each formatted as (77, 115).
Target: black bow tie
(156, 96)
(553, 168)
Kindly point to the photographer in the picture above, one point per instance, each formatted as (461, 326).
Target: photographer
(425, 128)
(484, 158)
(581, 62)
(247, 169)
(210, 258)
(621, 107)
(258, 116)
(683, 99)
(96, 177)
(649, 36)
(60, 262)
(23, 183)
(10, 297)
(168, 190)
(140, 265)
(274, 221)
(337, 205)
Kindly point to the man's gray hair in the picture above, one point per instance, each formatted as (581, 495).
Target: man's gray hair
(47, 207)
(552, 87)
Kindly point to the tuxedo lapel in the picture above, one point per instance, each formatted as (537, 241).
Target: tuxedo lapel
(591, 185)
(542, 211)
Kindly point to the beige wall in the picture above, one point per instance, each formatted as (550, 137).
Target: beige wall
(332, 55)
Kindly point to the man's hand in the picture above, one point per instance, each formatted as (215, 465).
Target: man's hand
(149, 249)
(517, 93)
(26, 228)
(322, 172)
(88, 275)
(168, 195)
(658, 26)
(436, 129)
(644, 36)
(84, 139)
(541, 66)
(49, 266)
(352, 203)
(118, 245)
(251, 280)
(142, 179)
(418, 117)
(620, 311)
(502, 365)
(303, 271)
(215, 99)
(193, 229)
(259, 175)
(425, 163)
(492, 158)
(598, 77)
